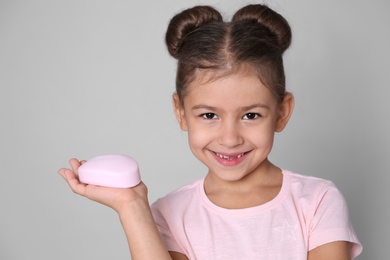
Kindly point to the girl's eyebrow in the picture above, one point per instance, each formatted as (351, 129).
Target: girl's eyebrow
(246, 108)
(205, 107)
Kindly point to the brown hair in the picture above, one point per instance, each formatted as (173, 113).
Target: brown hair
(257, 36)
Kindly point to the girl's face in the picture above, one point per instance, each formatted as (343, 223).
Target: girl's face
(231, 123)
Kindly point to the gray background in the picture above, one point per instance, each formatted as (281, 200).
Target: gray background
(86, 78)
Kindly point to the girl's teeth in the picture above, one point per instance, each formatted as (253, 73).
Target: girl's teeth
(229, 157)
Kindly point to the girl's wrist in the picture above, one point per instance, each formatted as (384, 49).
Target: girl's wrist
(133, 199)
(135, 210)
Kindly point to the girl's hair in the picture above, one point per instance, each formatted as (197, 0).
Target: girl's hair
(254, 40)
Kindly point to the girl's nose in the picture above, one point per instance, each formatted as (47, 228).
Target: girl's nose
(230, 135)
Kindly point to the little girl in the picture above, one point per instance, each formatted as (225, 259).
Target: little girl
(230, 97)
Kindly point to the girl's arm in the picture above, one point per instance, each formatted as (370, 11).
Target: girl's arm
(178, 256)
(133, 209)
(338, 250)
(141, 232)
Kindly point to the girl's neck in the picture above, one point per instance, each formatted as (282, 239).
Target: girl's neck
(256, 188)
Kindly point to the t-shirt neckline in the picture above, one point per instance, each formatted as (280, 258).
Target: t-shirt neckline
(245, 211)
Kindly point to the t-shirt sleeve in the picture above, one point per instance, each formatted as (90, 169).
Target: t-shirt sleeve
(331, 222)
(160, 216)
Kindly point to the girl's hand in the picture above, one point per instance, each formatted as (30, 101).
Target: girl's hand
(133, 209)
(115, 198)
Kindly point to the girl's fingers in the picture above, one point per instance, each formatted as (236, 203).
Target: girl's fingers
(73, 182)
(71, 177)
(62, 172)
(75, 165)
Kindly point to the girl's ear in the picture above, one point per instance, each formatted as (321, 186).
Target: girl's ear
(284, 112)
(179, 112)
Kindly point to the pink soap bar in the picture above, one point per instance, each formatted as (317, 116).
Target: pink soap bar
(115, 171)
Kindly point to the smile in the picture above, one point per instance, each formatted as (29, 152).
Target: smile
(229, 157)
(230, 160)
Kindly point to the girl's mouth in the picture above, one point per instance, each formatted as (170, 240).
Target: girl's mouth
(230, 159)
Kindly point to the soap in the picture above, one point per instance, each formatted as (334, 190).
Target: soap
(113, 170)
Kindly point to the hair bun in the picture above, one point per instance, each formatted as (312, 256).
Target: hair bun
(265, 16)
(186, 22)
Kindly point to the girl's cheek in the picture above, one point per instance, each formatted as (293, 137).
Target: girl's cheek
(196, 138)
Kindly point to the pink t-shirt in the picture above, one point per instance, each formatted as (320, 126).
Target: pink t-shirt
(308, 212)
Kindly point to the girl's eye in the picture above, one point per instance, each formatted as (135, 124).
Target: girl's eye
(251, 116)
(209, 116)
